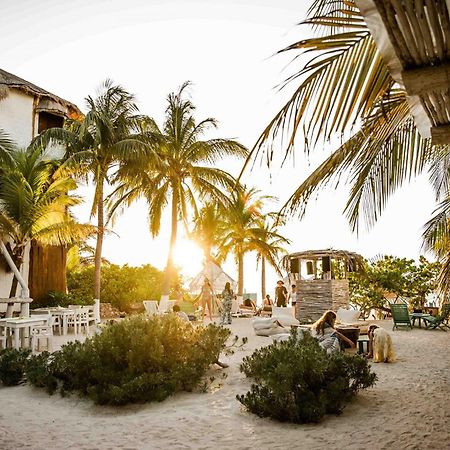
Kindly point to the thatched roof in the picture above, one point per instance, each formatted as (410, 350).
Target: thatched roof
(413, 38)
(48, 101)
(331, 252)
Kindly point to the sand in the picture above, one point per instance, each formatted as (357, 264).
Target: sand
(407, 409)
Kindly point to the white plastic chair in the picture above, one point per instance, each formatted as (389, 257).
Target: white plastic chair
(151, 307)
(79, 319)
(40, 332)
(165, 305)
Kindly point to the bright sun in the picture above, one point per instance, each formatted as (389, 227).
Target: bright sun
(188, 256)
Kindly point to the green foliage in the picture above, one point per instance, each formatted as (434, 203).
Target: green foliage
(391, 275)
(137, 360)
(56, 298)
(297, 381)
(121, 285)
(12, 365)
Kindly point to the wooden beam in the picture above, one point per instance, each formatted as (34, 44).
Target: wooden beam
(440, 135)
(427, 79)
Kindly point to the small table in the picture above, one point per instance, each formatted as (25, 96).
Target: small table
(349, 332)
(62, 313)
(419, 317)
(20, 325)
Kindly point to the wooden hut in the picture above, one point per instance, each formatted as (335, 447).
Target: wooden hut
(321, 281)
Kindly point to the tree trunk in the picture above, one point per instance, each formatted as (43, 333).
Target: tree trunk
(240, 273)
(17, 259)
(173, 240)
(99, 244)
(263, 277)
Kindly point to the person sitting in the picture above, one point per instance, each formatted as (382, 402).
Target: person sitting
(181, 314)
(266, 306)
(329, 338)
(249, 305)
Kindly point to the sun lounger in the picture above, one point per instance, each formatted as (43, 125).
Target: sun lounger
(439, 321)
(400, 315)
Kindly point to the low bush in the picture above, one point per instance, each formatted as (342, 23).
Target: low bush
(12, 365)
(137, 360)
(297, 381)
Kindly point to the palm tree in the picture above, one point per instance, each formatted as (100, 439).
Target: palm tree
(34, 205)
(245, 231)
(271, 245)
(110, 132)
(209, 229)
(345, 83)
(184, 172)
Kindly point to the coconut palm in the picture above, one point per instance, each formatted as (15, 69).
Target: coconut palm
(34, 205)
(7, 146)
(245, 231)
(110, 132)
(345, 83)
(270, 246)
(184, 172)
(209, 229)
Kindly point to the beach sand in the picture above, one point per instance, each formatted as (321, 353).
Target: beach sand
(408, 408)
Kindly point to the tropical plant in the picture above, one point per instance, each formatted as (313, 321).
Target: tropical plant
(34, 205)
(138, 360)
(7, 146)
(209, 228)
(110, 132)
(271, 246)
(390, 278)
(184, 172)
(343, 84)
(245, 231)
(122, 286)
(297, 381)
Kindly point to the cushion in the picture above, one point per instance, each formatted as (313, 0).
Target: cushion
(347, 315)
(270, 331)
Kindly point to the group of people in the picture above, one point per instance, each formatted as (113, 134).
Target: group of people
(206, 297)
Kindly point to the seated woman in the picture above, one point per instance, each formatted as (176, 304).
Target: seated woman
(266, 308)
(248, 305)
(328, 337)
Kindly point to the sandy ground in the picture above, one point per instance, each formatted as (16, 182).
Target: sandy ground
(408, 408)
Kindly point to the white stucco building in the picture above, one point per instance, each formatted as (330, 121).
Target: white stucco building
(25, 111)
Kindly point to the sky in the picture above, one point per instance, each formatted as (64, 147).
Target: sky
(226, 48)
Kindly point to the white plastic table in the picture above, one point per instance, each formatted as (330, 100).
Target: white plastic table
(20, 325)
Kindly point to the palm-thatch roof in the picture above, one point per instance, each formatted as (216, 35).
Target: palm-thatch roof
(414, 39)
(47, 101)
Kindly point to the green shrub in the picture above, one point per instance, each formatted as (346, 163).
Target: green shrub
(121, 286)
(56, 298)
(12, 365)
(137, 360)
(39, 374)
(296, 381)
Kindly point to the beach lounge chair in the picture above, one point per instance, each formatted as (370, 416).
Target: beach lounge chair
(400, 315)
(237, 311)
(151, 307)
(165, 305)
(285, 315)
(439, 321)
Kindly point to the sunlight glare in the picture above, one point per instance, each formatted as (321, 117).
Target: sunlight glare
(188, 256)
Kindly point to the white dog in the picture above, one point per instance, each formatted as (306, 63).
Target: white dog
(380, 345)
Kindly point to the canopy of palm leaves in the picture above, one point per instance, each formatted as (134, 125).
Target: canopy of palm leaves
(34, 204)
(110, 132)
(184, 172)
(342, 84)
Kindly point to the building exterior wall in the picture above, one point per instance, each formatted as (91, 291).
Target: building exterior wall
(17, 117)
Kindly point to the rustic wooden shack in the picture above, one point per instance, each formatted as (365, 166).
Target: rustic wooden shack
(321, 280)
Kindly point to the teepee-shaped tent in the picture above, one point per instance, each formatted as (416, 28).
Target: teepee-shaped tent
(216, 276)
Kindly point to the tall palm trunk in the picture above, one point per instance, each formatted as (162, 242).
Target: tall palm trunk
(173, 240)
(99, 244)
(263, 277)
(240, 273)
(17, 258)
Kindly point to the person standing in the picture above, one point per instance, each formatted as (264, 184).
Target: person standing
(206, 296)
(227, 302)
(281, 294)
